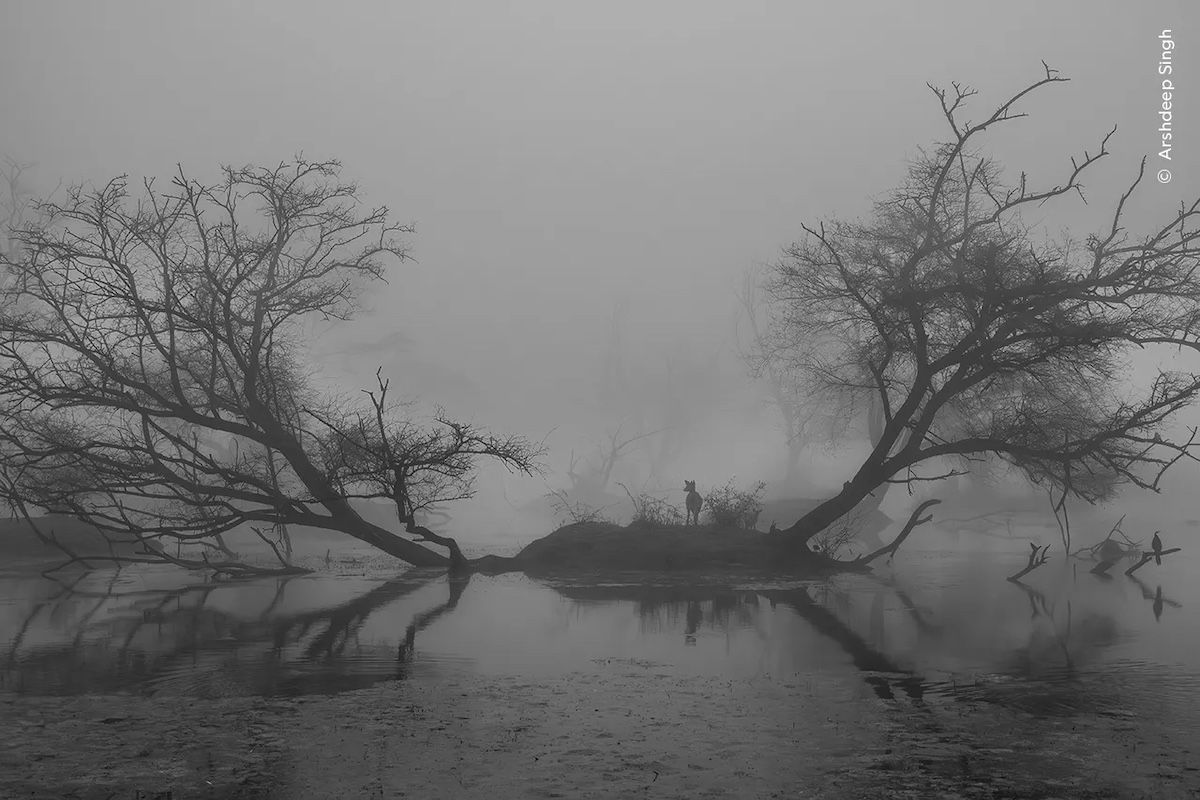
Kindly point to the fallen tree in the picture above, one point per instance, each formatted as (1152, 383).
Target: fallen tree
(980, 339)
(153, 385)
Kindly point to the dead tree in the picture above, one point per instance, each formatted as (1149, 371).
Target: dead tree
(591, 476)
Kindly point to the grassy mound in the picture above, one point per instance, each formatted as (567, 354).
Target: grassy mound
(602, 545)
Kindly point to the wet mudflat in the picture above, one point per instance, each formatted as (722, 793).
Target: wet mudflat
(935, 678)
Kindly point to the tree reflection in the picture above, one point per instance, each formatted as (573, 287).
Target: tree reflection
(1052, 649)
(691, 607)
(404, 657)
(200, 639)
(1033, 655)
(274, 637)
(882, 671)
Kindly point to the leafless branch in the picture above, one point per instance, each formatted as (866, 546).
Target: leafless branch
(914, 519)
(1037, 557)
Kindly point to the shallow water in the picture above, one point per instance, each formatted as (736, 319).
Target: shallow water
(933, 625)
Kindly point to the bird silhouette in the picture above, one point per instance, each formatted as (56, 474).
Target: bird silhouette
(1156, 545)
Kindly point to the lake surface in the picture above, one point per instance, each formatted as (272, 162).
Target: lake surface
(932, 624)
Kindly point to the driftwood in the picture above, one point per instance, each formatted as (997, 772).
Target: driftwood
(1108, 551)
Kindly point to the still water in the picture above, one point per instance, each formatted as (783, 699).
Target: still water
(931, 624)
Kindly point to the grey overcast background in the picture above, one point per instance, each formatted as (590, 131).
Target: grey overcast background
(567, 164)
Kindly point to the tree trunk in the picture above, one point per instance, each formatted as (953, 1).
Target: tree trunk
(393, 545)
(853, 492)
(343, 515)
(458, 562)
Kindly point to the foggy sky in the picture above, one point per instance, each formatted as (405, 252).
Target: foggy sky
(558, 158)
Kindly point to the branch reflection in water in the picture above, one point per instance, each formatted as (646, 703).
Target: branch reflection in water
(262, 637)
(1054, 650)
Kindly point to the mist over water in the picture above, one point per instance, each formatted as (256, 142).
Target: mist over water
(939, 625)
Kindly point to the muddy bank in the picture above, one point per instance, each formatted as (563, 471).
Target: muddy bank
(622, 728)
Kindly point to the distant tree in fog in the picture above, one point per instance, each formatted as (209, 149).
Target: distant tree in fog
(789, 390)
(810, 410)
(979, 338)
(152, 377)
(16, 204)
(652, 409)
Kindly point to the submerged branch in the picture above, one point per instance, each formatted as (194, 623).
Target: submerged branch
(1037, 557)
(1147, 557)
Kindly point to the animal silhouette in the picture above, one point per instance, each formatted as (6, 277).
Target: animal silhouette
(694, 502)
(1156, 545)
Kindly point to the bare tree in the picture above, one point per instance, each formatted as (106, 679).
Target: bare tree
(152, 379)
(976, 336)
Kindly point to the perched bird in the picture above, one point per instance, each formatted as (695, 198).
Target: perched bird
(1156, 545)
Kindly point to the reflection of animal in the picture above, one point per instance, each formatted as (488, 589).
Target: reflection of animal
(1156, 545)
(694, 501)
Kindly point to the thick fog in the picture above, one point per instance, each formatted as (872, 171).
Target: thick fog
(589, 183)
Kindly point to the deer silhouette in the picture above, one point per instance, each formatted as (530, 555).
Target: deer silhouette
(694, 501)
